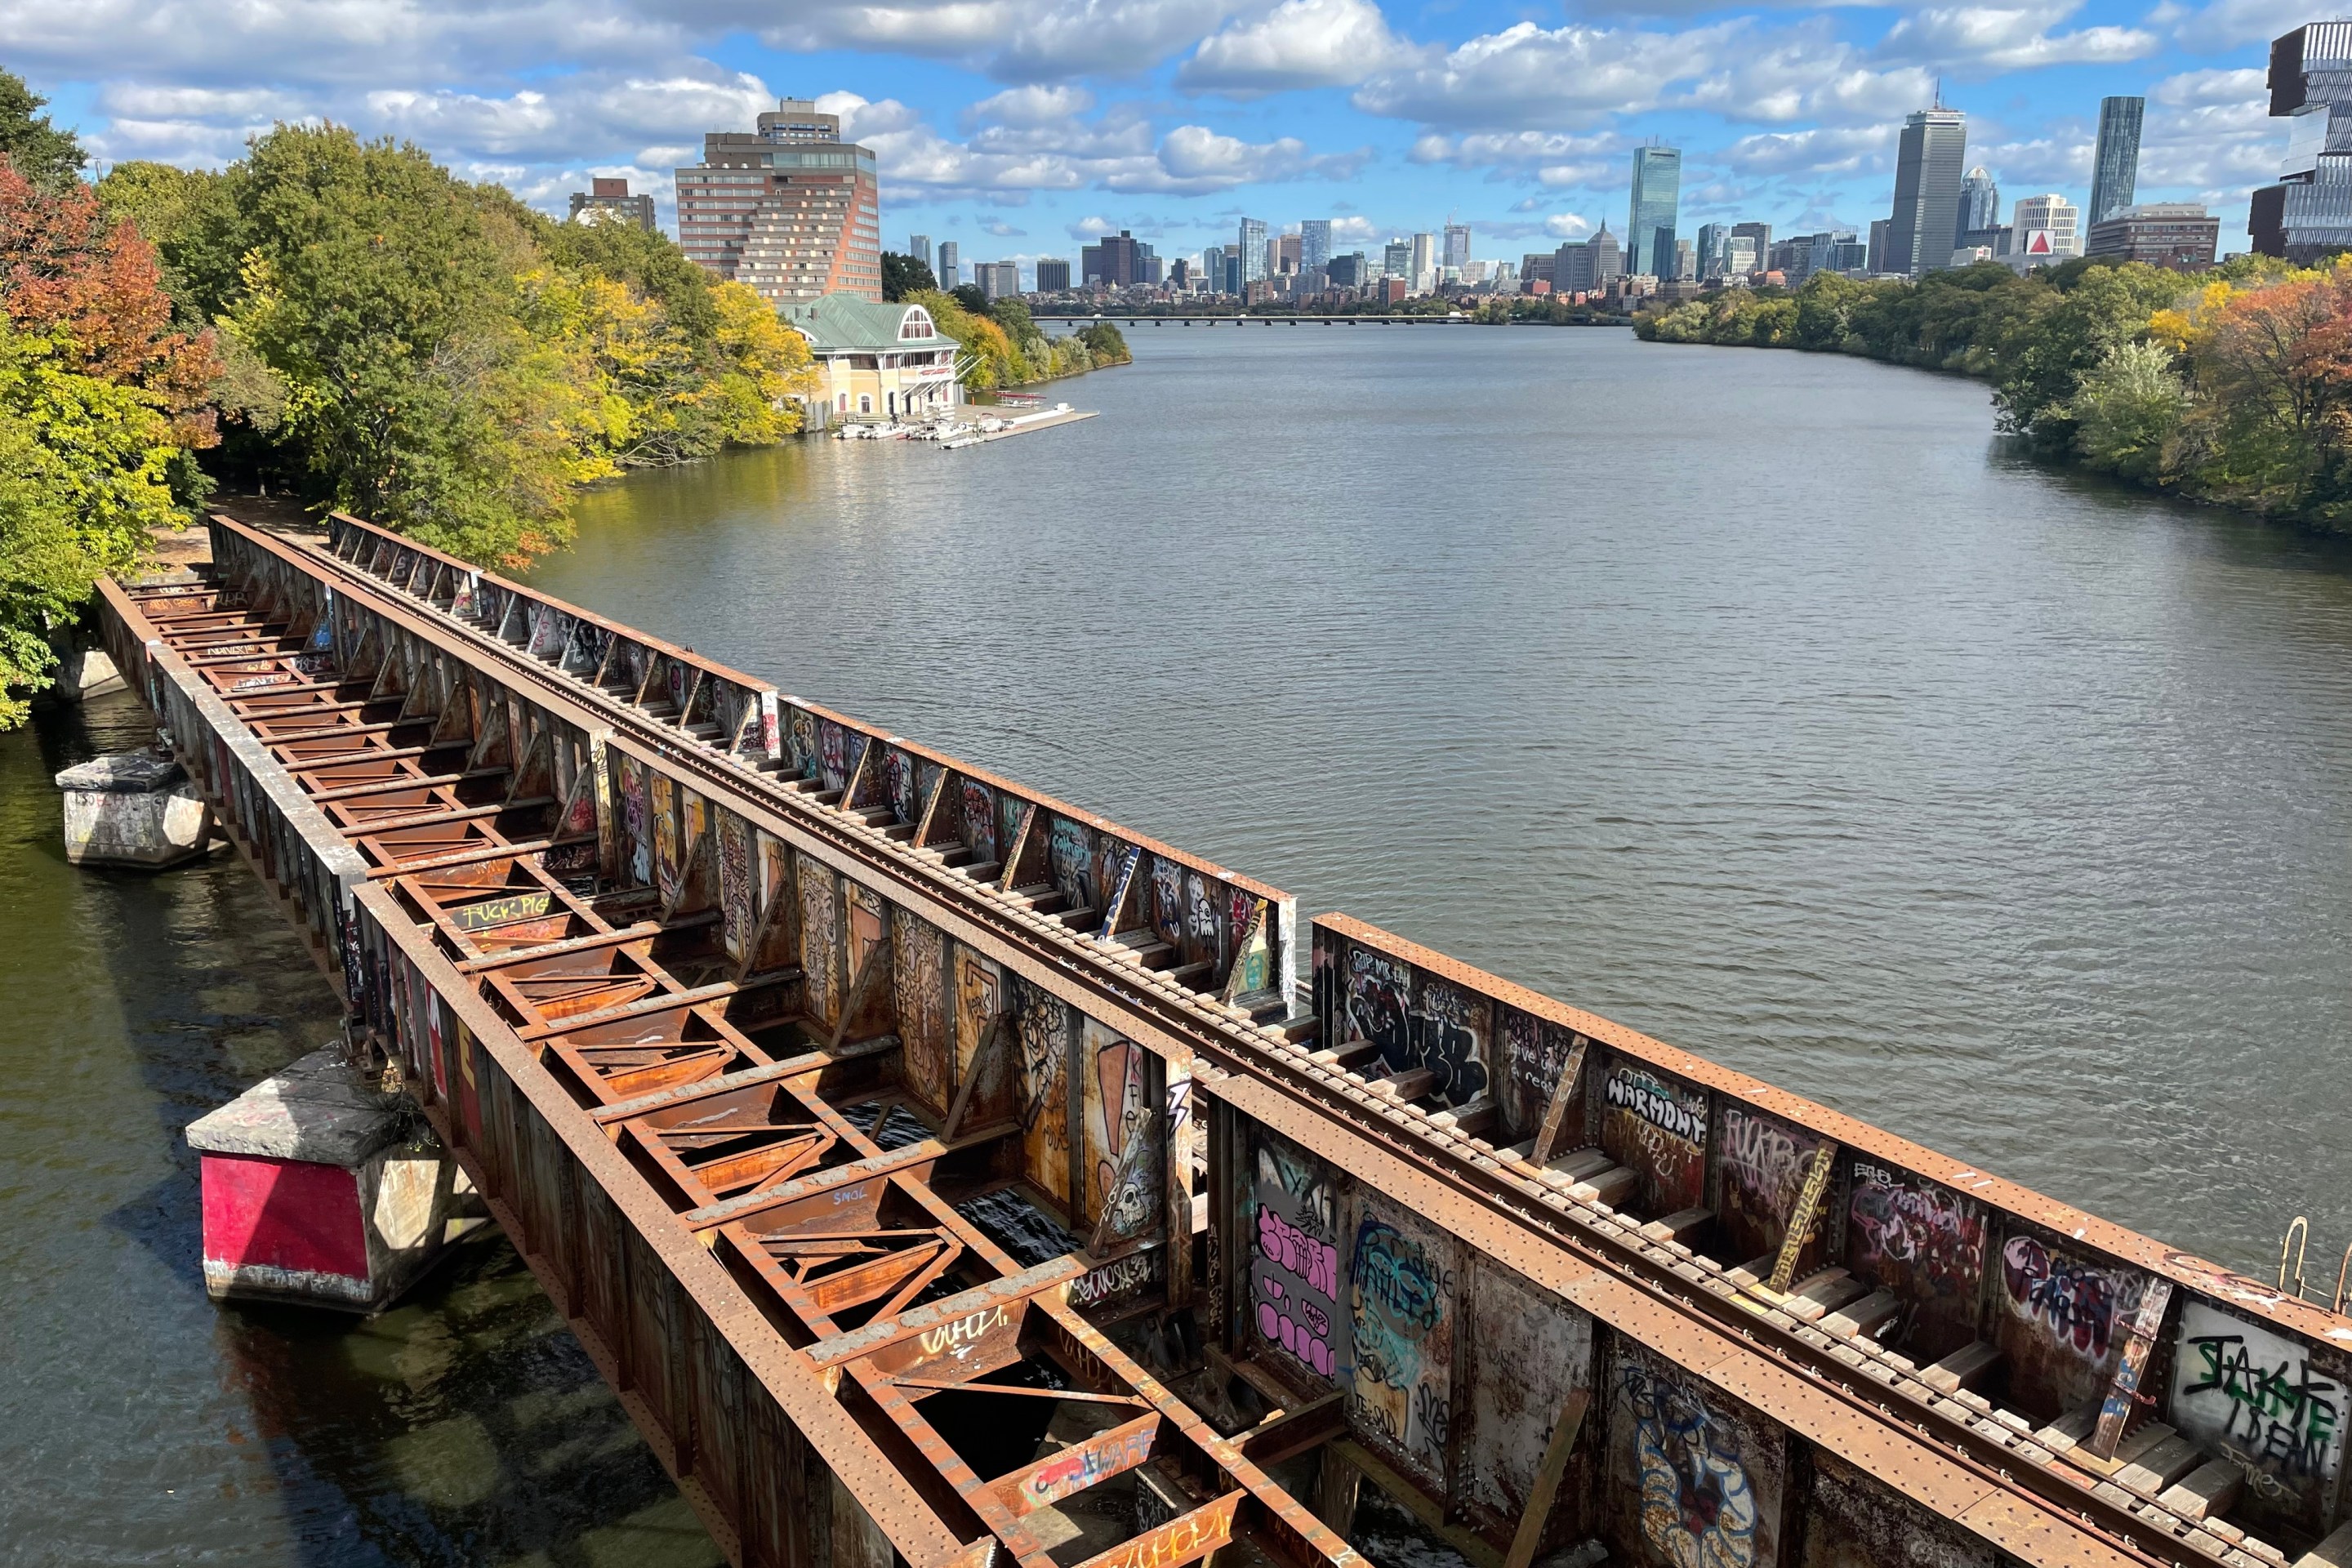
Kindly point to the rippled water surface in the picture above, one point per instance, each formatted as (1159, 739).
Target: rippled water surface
(1755, 699)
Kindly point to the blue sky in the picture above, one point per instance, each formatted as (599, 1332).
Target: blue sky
(1020, 127)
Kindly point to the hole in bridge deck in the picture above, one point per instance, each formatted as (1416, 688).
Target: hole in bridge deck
(898, 1127)
(1025, 1231)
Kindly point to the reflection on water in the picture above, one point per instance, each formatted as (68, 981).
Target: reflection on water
(1757, 699)
(140, 1422)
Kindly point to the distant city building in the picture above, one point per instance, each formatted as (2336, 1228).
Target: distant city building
(2309, 210)
(998, 279)
(608, 201)
(2114, 168)
(1253, 250)
(1758, 235)
(1709, 248)
(1396, 258)
(1421, 268)
(1657, 194)
(1115, 261)
(1993, 241)
(788, 208)
(1879, 230)
(1052, 275)
(919, 245)
(2178, 235)
(1536, 265)
(951, 271)
(1980, 200)
(1457, 246)
(1351, 271)
(2044, 229)
(1685, 261)
(1314, 243)
(1927, 216)
(1740, 256)
(1212, 267)
(1234, 280)
(1284, 256)
(1588, 266)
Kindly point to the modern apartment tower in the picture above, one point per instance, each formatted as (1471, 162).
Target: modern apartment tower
(1314, 243)
(1922, 230)
(2309, 210)
(2115, 172)
(1052, 275)
(789, 208)
(1657, 193)
(1457, 246)
(919, 245)
(1396, 258)
(1253, 250)
(951, 270)
(1425, 259)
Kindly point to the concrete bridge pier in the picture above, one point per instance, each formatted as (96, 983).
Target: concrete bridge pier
(135, 809)
(321, 1189)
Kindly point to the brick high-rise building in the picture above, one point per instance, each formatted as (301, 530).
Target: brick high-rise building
(790, 209)
(607, 200)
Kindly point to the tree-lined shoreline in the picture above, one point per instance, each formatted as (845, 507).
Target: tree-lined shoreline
(2232, 385)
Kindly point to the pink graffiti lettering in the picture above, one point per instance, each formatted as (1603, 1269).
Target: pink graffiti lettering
(1316, 1262)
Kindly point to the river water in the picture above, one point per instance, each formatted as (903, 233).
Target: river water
(1760, 701)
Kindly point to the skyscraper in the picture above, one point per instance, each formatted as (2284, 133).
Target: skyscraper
(919, 245)
(1927, 216)
(1457, 246)
(1657, 192)
(1425, 259)
(1212, 267)
(951, 271)
(789, 208)
(2309, 210)
(1052, 275)
(1314, 243)
(1253, 250)
(2115, 173)
(1980, 201)
(1396, 260)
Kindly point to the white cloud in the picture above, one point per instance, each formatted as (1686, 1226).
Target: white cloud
(1355, 230)
(1506, 149)
(1529, 76)
(1819, 153)
(1982, 40)
(2227, 23)
(1299, 44)
(1568, 226)
(2248, 88)
(1193, 159)
(1029, 106)
(1014, 40)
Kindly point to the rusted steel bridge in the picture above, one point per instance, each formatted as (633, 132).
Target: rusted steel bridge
(945, 1174)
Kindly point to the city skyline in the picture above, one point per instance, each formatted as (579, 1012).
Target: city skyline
(1028, 131)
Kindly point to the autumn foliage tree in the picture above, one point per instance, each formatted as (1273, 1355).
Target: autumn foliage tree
(103, 402)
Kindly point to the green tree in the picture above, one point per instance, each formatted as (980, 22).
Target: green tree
(903, 275)
(44, 154)
(2127, 411)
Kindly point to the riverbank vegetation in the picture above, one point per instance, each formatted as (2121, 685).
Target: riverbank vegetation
(1004, 346)
(2232, 385)
(345, 322)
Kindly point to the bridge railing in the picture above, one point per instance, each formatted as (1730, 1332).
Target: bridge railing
(1237, 937)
